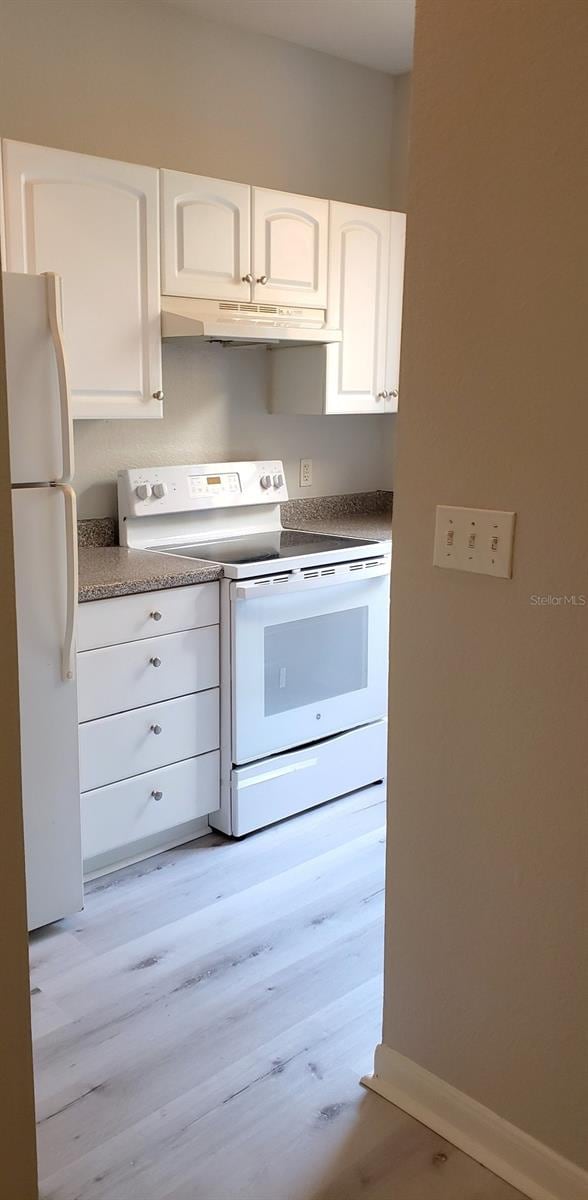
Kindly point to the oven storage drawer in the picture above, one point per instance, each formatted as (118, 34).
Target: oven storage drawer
(277, 787)
(127, 618)
(118, 678)
(126, 813)
(131, 743)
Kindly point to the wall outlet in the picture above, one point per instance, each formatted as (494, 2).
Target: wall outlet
(305, 472)
(474, 539)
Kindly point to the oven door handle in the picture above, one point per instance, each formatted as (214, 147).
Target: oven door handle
(320, 577)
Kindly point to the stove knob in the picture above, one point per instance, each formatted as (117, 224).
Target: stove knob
(278, 481)
(143, 491)
(266, 481)
(159, 490)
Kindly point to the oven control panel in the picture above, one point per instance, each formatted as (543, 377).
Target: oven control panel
(225, 484)
(148, 491)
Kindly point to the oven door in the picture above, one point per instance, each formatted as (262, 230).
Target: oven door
(309, 655)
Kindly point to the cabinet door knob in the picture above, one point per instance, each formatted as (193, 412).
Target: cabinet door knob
(156, 729)
(248, 278)
(157, 795)
(155, 662)
(155, 616)
(394, 393)
(263, 279)
(158, 395)
(382, 396)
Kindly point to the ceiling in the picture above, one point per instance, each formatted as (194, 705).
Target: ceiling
(375, 33)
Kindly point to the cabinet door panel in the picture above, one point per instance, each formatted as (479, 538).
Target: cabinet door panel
(95, 223)
(290, 239)
(358, 288)
(117, 819)
(394, 318)
(205, 234)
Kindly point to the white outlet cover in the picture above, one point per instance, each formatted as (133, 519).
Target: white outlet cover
(305, 472)
(474, 539)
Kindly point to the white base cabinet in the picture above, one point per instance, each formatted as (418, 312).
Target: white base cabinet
(149, 722)
(145, 739)
(95, 223)
(116, 820)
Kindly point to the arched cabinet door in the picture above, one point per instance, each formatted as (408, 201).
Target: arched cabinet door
(359, 258)
(205, 237)
(395, 296)
(290, 244)
(96, 224)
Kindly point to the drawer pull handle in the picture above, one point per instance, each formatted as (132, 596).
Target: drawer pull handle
(156, 729)
(157, 795)
(155, 616)
(155, 662)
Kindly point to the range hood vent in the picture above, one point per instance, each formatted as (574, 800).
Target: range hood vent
(240, 323)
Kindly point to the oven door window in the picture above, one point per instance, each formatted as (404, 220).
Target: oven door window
(314, 659)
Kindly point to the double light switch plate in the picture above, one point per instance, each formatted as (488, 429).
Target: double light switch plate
(474, 539)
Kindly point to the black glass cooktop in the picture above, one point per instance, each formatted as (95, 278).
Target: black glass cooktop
(266, 547)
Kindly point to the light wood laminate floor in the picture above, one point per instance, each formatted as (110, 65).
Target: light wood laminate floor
(201, 1028)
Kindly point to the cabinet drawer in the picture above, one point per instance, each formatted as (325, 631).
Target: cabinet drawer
(117, 816)
(144, 739)
(129, 618)
(122, 677)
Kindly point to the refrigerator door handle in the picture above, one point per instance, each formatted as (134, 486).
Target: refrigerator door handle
(68, 655)
(54, 304)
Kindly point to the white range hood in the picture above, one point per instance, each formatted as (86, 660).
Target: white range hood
(245, 324)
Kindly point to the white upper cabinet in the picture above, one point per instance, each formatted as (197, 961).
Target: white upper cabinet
(360, 373)
(205, 237)
(95, 223)
(394, 318)
(359, 258)
(290, 246)
(228, 241)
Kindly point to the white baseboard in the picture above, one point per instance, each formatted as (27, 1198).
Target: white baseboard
(528, 1165)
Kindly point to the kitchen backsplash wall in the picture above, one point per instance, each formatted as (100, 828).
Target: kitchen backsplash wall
(165, 88)
(215, 410)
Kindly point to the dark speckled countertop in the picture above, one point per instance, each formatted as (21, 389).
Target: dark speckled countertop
(108, 570)
(369, 525)
(363, 514)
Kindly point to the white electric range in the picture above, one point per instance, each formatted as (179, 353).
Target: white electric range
(304, 635)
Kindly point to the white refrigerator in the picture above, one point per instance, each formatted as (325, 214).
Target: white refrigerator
(45, 556)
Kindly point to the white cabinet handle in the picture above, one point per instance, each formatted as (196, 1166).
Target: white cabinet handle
(68, 654)
(54, 306)
(158, 395)
(157, 795)
(155, 662)
(156, 729)
(382, 396)
(155, 616)
(393, 394)
(248, 278)
(263, 279)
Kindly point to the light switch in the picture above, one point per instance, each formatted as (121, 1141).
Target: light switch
(474, 539)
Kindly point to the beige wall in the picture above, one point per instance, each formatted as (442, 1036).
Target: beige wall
(486, 935)
(18, 1169)
(400, 142)
(143, 81)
